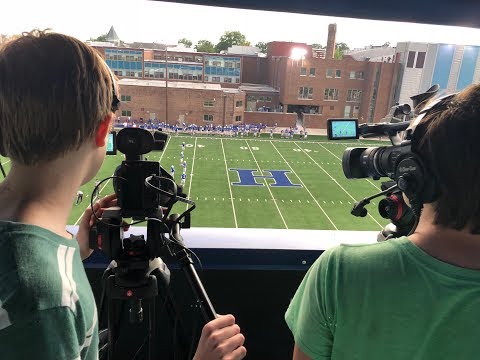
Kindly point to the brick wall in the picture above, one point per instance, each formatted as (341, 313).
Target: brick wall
(184, 105)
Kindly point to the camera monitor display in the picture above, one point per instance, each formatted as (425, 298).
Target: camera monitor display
(342, 129)
(111, 148)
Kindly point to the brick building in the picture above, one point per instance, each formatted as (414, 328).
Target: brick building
(291, 85)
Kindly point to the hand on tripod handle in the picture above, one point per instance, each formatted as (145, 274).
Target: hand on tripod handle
(221, 339)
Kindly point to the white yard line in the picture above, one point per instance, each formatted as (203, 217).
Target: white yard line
(191, 172)
(368, 180)
(268, 186)
(336, 182)
(229, 186)
(313, 197)
(6, 162)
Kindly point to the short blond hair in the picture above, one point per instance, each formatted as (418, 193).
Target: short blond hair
(54, 91)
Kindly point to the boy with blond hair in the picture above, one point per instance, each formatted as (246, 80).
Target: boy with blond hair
(57, 105)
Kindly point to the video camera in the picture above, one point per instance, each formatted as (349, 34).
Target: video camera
(145, 192)
(396, 161)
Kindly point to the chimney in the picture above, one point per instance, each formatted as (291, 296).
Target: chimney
(332, 31)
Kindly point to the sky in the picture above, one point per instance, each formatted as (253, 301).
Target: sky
(152, 21)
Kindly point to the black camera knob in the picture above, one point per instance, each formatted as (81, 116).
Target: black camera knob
(406, 183)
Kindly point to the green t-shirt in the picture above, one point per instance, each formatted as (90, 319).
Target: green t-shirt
(388, 300)
(47, 308)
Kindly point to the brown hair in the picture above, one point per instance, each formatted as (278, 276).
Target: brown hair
(54, 91)
(450, 145)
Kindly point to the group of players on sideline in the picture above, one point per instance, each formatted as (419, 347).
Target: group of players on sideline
(415, 297)
(240, 130)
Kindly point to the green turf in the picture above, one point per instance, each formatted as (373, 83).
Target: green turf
(323, 201)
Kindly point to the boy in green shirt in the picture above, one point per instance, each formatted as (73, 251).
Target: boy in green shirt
(407, 298)
(57, 105)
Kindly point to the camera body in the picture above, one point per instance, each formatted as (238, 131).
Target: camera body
(144, 192)
(399, 161)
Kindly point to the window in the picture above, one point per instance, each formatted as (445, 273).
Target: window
(354, 95)
(338, 73)
(239, 103)
(329, 73)
(332, 108)
(268, 98)
(126, 113)
(261, 98)
(237, 80)
(118, 72)
(303, 71)
(130, 73)
(126, 98)
(238, 118)
(216, 78)
(356, 110)
(420, 59)
(207, 117)
(352, 74)
(209, 103)
(216, 63)
(331, 94)
(312, 71)
(251, 98)
(198, 59)
(411, 59)
(360, 75)
(305, 93)
(189, 58)
(346, 112)
(227, 79)
(206, 78)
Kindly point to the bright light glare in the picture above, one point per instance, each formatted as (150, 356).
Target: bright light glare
(298, 53)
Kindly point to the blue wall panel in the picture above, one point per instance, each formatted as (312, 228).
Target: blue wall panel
(467, 69)
(443, 65)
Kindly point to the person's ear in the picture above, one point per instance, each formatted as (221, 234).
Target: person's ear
(103, 129)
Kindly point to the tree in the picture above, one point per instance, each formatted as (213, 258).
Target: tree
(316, 46)
(185, 42)
(100, 38)
(205, 46)
(230, 38)
(387, 44)
(340, 49)
(342, 46)
(262, 46)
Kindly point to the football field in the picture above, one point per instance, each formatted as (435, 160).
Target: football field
(260, 183)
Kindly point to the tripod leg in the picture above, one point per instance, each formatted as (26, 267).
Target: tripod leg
(152, 335)
(111, 329)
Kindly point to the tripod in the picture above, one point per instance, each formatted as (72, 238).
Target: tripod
(137, 280)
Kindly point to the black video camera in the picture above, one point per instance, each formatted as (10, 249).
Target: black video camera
(145, 191)
(396, 161)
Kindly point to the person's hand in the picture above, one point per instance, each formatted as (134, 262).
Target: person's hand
(221, 340)
(88, 219)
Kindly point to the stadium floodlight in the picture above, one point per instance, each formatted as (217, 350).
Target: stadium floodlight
(298, 53)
